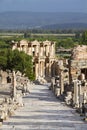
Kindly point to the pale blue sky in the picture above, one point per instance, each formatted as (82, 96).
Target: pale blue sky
(44, 5)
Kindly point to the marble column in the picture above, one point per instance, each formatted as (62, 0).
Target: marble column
(43, 69)
(41, 66)
(61, 82)
(49, 69)
(14, 84)
(36, 70)
(76, 94)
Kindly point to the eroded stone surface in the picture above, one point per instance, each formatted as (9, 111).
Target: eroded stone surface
(43, 111)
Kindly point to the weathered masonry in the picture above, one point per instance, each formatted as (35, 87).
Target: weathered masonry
(78, 74)
(43, 56)
(78, 63)
(71, 77)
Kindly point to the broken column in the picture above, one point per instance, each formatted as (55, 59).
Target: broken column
(52, 83)
(17, 95)
(14, 84)
(61, 82)
(68, 98)
(57, 86)
(75, 95)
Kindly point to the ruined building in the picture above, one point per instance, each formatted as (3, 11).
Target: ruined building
(78, 74)
(72, 75)
(43, 54)
(78, 63)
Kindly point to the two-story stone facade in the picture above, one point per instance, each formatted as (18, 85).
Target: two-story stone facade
(43, 54)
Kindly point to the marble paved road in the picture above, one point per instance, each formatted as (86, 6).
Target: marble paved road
(43, 111)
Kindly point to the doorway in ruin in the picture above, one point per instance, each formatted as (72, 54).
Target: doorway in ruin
(47, 67)
(8, 79)
(84, 71)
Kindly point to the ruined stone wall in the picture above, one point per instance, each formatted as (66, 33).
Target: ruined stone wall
(75, 67)
(79, 53)
(78, 61)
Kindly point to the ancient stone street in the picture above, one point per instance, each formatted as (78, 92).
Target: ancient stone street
(43, 111)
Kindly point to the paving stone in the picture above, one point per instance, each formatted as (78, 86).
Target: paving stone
(67, 128)
(43, 111)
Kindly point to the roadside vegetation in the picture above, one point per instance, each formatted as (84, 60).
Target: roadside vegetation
(18, 61)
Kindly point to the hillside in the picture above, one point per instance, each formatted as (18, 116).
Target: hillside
(27, 20)
(66, 26)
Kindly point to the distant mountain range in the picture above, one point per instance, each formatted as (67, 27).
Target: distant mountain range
(66, 26)
(43, 20)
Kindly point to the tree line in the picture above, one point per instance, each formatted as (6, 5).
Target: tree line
(18, 61)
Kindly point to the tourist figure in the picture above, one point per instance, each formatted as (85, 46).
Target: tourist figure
(83, 109)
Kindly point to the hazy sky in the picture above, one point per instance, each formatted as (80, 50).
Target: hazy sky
(44, 5)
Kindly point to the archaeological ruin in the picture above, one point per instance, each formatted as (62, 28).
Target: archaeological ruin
(68, 77)
(13, 86)
(43, 54)
(70, 83)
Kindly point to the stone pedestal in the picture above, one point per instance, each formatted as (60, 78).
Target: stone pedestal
(57, 92)
(68, 98)
(52, 83)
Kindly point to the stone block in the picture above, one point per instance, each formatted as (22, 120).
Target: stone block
(11, 112)
(1, 123)
(57, 92)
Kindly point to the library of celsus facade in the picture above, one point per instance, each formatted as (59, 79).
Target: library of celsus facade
(43, 54)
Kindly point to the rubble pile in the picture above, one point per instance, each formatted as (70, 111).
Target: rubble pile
(11, 94)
